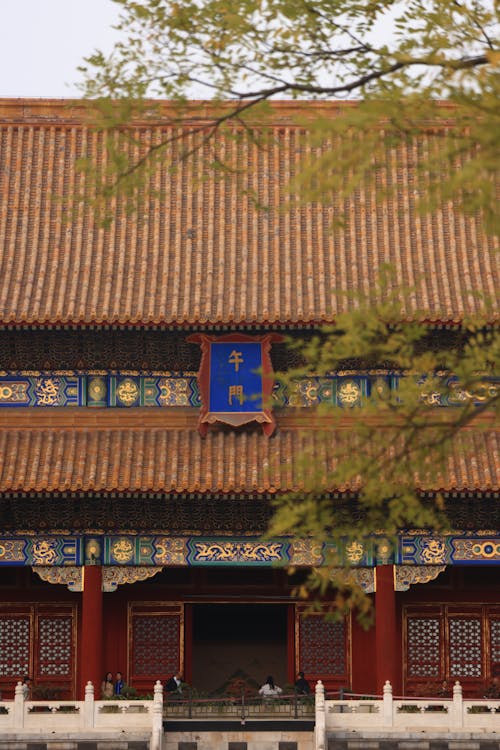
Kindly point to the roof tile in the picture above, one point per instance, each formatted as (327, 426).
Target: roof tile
(157, 460)
(199, 251)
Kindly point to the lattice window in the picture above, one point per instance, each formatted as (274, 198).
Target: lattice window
(423, 652)
(14, 646)
(465, 647)
(322, 646)
(156, 644)
(495, 646)
(55, 646)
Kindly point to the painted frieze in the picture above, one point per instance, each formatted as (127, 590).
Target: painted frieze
(132, 388)
(129, 550)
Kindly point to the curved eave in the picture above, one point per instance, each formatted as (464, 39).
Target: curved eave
(139, 451)
(211, 325)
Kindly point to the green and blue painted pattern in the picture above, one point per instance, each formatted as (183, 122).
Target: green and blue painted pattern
(130, 389)
(474, 548)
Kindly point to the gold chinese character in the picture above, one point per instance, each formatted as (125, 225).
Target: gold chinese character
(235, 359)
(237, 392)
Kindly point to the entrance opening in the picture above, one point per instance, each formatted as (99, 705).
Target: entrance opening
(244, 640)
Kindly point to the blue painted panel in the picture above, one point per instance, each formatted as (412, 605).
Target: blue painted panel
(235, 377)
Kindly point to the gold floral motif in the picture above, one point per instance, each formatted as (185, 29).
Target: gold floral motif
(384, 550)
(6, 392)
(380, 387)
(12, 550)
(127, 392)
(457, 394)
(306, 552)
(349, 393)
(472, 549)
(44, 552)
(174, 391)
(97, 389)
(93, 550)
(170, 551)
(14, 392)
(484, 391)
(406, 575)
(303, 392)
(238, 551)
(122, 550)
(354, 552)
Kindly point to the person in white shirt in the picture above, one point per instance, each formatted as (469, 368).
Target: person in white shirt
(269, 689)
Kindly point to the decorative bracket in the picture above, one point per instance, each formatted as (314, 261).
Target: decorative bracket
(362, 577)
(112, 577)
(67, 575)
(406, 575)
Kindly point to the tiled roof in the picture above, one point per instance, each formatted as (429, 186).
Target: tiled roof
(198, 250)
(54, 455)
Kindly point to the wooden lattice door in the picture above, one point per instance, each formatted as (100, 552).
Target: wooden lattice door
(156, 643)
(449, 642)
(494, 643)
(322, 649)
(38, 640)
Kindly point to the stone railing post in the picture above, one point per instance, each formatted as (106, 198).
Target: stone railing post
(89, 706)
(320, 718)
(457, 718)
(19, 706)
(388, 705)
(157, 732)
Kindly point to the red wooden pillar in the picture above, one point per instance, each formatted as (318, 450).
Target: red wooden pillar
(386, 632)
(290, 640)
(92, 630)
(187, 670)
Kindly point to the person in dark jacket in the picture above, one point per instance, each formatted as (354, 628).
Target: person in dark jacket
(174, 684)
(301, 685)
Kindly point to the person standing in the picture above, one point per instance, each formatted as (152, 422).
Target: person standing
(302, 686)
(174, 683)
(107, 686)
(27, 687)
(119, 683)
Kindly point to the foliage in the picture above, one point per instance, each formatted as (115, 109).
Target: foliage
(391, 450)
(408, 708)
(478, 710)
(239, 684)
(129, 693)
(397, 56)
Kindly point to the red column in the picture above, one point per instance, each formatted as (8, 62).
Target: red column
(290, 639)
(188, 645)
(92, 630)
(386, 631)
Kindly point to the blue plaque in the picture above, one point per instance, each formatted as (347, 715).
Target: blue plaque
(235, 377)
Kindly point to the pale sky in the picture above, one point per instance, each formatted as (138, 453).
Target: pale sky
(42, 42)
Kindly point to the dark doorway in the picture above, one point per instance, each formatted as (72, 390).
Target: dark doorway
(238, 639)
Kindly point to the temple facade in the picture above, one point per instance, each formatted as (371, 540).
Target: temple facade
(136, 482)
